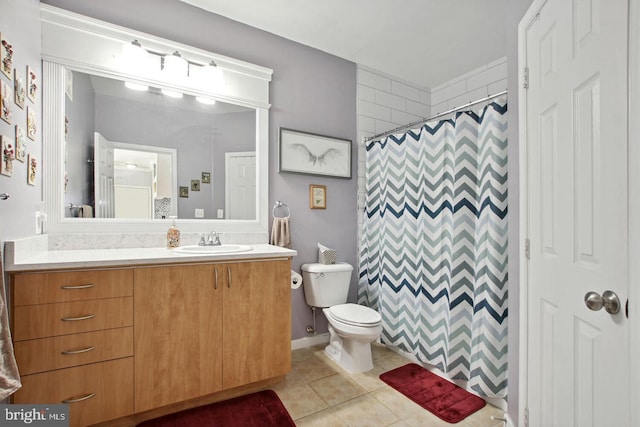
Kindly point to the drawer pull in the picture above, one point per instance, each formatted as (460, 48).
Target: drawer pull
(72, 319)
(87, 286)
(82, 350)
(79, 399)
(215, 271)
(229, 277)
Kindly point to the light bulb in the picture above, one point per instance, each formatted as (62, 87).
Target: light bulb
(175, 66)
(205, 100)
(171, 93)
(136, 86)
(210, 76)
(135, 56)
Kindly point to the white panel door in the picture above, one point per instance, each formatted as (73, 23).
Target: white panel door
(576, 139)
(103, 152)
(240, 188)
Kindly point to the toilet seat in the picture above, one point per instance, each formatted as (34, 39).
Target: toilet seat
(355, 315)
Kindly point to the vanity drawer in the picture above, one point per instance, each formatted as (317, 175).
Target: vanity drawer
(111, 384)
(45, 354)
(43, 288)
(50, 320)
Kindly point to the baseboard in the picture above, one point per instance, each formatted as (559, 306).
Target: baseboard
(510, 422)
(309, 341)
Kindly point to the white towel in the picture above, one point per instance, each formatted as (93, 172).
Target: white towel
(86, 211)
(9, 376)
(280, 234)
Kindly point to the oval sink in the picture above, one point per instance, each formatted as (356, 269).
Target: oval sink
(222, 249)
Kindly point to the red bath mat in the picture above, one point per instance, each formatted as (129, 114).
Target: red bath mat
(261, 409)
(437, 395)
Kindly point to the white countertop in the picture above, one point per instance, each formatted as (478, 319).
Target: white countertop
(65, 259)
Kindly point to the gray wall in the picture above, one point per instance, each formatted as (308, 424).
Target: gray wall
(79, 144)
(310, 91)
(20, 25)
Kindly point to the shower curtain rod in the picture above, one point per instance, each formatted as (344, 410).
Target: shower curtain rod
(437, 116)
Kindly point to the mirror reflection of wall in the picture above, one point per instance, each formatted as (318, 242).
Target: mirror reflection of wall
(202, 134)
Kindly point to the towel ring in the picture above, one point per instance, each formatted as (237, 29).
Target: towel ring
(279, 204)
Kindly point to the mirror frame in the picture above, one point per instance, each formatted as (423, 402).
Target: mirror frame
(95, 47)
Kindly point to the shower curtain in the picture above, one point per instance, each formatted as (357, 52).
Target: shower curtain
(433, 251)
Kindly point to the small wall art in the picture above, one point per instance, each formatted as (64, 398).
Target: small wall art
(184, 192)
(21, 146)
(6, 57)
(19, 88)
(308, 153)
(8, 154)
(195, 185)
(206, 177)
(6, 99)
(317, 196)
(31, 123)
(32, 169)
(32, 84)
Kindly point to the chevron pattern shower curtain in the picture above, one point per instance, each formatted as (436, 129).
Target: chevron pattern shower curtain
(433, 252)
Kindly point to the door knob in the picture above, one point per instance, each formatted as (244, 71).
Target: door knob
(609, 300)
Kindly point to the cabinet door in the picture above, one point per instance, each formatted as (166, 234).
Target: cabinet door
(178, 334)
(257, 321)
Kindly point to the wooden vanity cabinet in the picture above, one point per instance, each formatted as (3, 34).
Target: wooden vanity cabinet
(142, 338)
(210, 327)
(73, 341)
(178, 330)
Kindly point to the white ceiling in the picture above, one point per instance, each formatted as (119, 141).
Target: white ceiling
(425, 42)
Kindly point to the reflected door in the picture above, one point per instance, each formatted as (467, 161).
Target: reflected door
(103, 151)
(240, 191)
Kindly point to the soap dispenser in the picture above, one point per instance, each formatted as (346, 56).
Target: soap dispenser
(173, 234)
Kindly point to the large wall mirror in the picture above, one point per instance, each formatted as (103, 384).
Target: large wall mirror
(128, 146)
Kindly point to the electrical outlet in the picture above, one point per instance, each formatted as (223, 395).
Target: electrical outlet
(199, 213)
(220, 213)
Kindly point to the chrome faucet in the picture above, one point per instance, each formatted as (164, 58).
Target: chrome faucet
(214, 239)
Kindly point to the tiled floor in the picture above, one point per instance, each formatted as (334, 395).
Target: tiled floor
(319, 393)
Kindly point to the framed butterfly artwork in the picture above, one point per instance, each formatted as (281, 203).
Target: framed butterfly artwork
(314, 154)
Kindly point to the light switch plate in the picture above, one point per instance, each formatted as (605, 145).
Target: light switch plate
(199, 213)
(220, 213)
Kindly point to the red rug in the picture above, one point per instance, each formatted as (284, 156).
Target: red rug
(437, 395)
(261, 409)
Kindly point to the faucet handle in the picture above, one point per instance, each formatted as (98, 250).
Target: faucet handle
(202, 240)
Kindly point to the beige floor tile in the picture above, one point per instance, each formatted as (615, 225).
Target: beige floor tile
(391, 362)
(301, 401)
(324, 418)
(292, 379)
(365, 411)
(313, 369)
(482, 418)
(379, 351)
(336, 389)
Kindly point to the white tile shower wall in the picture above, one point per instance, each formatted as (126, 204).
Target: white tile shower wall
(385, 103)
(476, 84)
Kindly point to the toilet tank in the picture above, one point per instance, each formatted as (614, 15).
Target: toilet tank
(326, 285)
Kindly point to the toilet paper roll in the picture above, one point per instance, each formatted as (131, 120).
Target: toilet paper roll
(296, 280)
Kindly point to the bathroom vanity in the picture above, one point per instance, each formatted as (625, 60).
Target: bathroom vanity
(115, 335)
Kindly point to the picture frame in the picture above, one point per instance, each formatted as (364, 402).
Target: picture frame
(6, 57)
(195, 185)
(19, 89)
(31, 123)
(314, 154)
(206, 177)
(8, 153)
(32, 169)
(21, 146)
(184, 192)
(6, 99)
(32, 84)
(317, 196)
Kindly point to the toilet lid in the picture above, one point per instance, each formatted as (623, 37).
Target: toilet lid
(354, 314)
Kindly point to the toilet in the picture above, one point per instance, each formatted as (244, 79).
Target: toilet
(352, 327)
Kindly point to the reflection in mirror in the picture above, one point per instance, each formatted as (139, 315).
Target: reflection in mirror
(155, 155)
